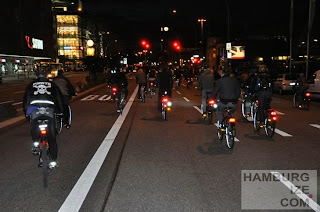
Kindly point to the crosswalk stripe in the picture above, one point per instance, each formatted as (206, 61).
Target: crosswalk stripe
(90, 97)
(284, 134)
(104, 98)
(315, 125)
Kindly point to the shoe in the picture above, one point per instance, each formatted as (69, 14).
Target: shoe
(35, 148)
(67, 126)
(53, 165)
(118, 111)
(40, 163)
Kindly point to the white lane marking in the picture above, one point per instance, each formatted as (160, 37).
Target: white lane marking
(19, 92)
(79, 192)
(5, 102)
(284, 134)
(17, 103)
(11, 121)
(178, 92)
(315, 125)
(297, 191)
(104, 98)
(89, 98)
(185, 98)
(278, 112)
(198, 109)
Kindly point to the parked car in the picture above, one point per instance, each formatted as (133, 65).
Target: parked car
(314, 85)
(285, 82)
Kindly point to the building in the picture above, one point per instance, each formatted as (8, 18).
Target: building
(26, 35)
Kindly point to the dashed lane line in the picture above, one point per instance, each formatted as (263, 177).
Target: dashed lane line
(79, 192)
(198, 109)
(178, 92)
(284, 134)
(278, 112)
(315, 125)
(185, 98)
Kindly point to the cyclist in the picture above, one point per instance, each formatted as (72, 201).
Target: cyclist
(261, 85)
(67, 91)
(229, 91)
(141, 79)
(303, 87)
(41, 99)
(206, 82)
(165, 83)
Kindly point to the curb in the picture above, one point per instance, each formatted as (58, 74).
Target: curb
(21, 119)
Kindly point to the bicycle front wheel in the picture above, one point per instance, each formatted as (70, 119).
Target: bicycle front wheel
(256, 126)
(45, 165)
(230, 136)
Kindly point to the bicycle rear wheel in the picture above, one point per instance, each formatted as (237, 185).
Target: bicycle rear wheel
(295, 102)
(270, 127)
(230, 136)
(306, 104)
(70, 116)
(45, 165)
(58, 123)
(164, 114)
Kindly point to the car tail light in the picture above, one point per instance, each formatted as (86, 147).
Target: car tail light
(308, 94)
(232, 120)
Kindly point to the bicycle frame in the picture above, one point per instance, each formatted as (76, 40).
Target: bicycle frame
(44, 150)
(228, 129)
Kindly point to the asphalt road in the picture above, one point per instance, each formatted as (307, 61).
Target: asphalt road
(152, 164)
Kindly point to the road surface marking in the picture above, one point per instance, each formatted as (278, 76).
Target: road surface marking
(5, 102)
(17, 103)
(89, 98)
(178, 92)
(104, 98)
(315, 125)
(185, 98)
(79, 192)
(312, 204)
(19, 92)
(198, 109)
(284, 134)
(280, 113)
(11, 121)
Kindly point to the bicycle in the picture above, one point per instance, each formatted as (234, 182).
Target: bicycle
(59, 120)
(269, 123)
(210, 108)
(306, 99)
(228, 128)
(152, 89)
(121, 102)
(143, 93)
(248, 102)
(165, 105)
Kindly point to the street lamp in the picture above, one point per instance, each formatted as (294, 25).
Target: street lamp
(201, 20)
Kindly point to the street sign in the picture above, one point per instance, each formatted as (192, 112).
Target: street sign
(228, 46)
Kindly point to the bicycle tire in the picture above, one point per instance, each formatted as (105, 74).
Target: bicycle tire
(270, 127)
(210, 118)
(45, 165)
(295, 100)
(229, 137)
(243, 108)
(164, 114)
(59, 124)
(306, 104)
(255, 121)
(70, 116)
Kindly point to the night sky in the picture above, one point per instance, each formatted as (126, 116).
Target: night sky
(136, 19)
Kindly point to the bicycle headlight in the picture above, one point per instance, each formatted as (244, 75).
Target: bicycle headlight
(169, 104)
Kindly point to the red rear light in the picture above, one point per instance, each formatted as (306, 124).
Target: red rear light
(283, 83)
(257, 101)
(273, 113)
(43, 132)
(151, 84)
(308, 94)
(232, 120)
(274, 118)
(211, 102)
(165, 100)
(114, 89)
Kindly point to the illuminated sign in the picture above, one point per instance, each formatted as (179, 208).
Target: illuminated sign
(70, 48)
(236, 52)
(34, 43)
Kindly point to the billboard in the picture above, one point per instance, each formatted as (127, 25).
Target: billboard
(236, 52)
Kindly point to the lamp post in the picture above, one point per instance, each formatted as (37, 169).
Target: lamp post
(201, 20)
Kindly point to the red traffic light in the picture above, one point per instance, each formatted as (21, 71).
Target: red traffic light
(176, 45)
(147, 46)
(143, 42)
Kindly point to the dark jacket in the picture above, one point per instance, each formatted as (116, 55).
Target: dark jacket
(119, 79)
(141, 78)
(43, 93)
(229, 89)
(164, 80)
(206, 80)
(65, 86)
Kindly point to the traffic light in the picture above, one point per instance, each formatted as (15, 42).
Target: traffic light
(176, 45)
(145, 44)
